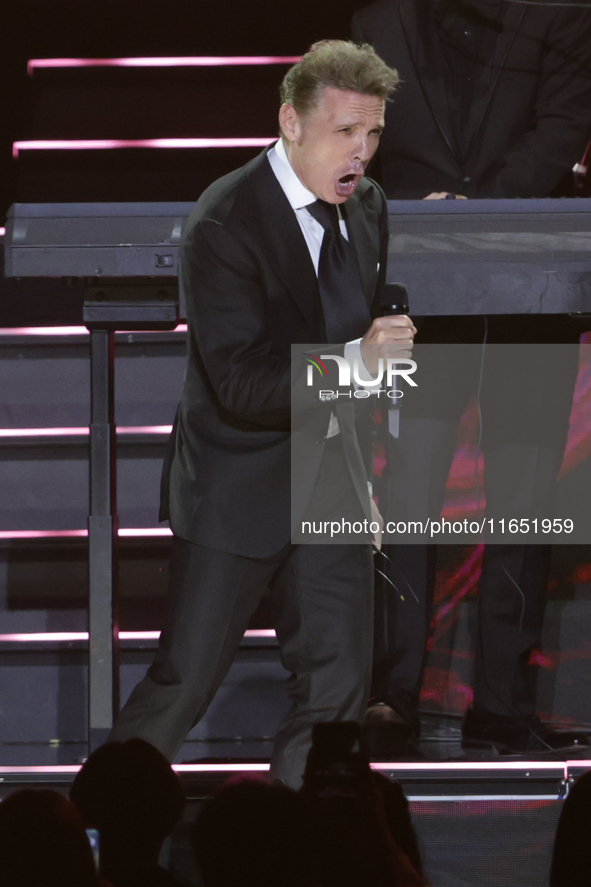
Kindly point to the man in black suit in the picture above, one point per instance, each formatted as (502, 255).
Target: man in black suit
(495, 101)
(253, 267)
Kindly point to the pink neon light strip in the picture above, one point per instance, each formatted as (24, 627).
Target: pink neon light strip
(472, 765)
(245, 768)
(104, 144)
(44, 331)
(144, 429)
(65, 636)
(180, 768)
(221, 768)
(81, 430)
(61, 768)
(165, 62)
(44, 637)
(141, 532)
(41, 534)
(67, 330)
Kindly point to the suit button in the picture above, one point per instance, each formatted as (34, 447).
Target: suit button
(467, 179)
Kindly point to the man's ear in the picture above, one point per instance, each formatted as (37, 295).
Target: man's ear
(290, 122)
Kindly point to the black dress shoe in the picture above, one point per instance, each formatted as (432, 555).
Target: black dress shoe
(388, 736)
(515, 736)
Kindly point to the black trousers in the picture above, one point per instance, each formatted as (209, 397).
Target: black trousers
(511, 604)
(322, 604)
(525, 407)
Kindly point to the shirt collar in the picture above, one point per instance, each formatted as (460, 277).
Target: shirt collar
(295, 191)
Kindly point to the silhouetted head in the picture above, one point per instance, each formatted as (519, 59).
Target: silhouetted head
(43, 842)
(131, 794)
(253, 833)
(571, 859)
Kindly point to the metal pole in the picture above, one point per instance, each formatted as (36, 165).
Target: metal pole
(103, 670)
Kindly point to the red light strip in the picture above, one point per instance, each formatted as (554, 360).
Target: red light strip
(82, 430)
(108, 144)
(165, 62)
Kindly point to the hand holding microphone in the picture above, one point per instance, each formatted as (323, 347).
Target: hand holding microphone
(394, 304)
(391, 334)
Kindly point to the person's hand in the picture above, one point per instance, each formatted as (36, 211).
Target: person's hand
(441, 195)
(379, 520)
(390, 336)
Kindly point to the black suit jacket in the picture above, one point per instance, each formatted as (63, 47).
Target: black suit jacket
(251, 293)
(525, 133)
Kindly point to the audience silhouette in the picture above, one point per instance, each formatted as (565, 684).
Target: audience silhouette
(346, 827)
(253, 833)
(362, 825)
(571, 859)
(131, 794)
(43, 842)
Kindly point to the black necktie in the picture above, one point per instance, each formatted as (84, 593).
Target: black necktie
(346, 315)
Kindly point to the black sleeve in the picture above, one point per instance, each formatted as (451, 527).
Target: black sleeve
(227, 313)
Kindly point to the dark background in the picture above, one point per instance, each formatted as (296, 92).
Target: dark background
(123, 28)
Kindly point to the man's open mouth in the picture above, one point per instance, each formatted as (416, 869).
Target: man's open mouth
(347, 184)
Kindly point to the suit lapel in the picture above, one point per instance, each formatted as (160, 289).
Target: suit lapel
(418, 32)
(512, 20)
(282, 241)
(419, 36)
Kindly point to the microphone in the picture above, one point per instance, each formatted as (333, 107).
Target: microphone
(394, 301)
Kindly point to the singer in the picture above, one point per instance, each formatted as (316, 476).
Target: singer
(290, 248)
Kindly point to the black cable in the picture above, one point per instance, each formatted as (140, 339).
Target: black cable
(395, 565)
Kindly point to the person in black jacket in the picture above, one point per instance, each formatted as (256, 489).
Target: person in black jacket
(495, 101)
(252, 267)
(495, 98)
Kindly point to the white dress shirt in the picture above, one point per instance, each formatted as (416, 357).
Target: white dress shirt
(299, 198)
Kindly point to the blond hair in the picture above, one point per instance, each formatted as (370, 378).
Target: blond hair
(339, 64)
